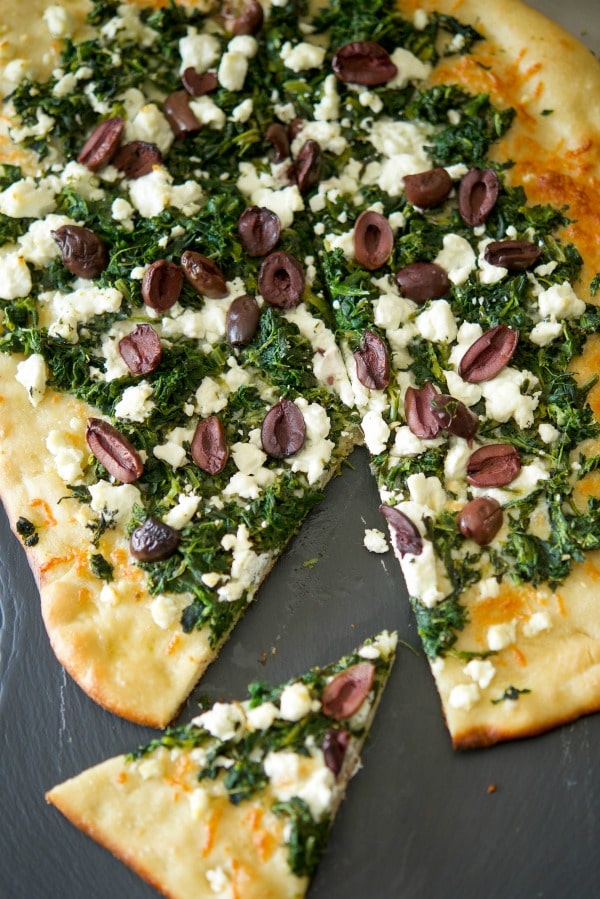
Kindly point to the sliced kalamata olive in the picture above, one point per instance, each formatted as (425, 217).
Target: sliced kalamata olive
(281, 280)
(202, 273)
(346, 691)
(334, 746)
(277, 134)
(454, 417)
(82, 251)
(179, 114)
(161, 285)
(422, 281)
(295, 127)
(405, 534)
(427, 189)
(308, 166)
(489, 354)
(102, 144)
(372, 362)
(373, 240)
(363, 62)
(198, 85)
(419, 413)
(242, 320)
(494, 465)
(114, 451)
(481, 519)
(209, 445)
(141, 350)
(477, 195)
(153, 541)
(283, 430)
(514, 255)
(137, 158)
(259, 229)
(243, 18)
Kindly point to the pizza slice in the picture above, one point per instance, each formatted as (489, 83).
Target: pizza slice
(462, 311)
(240, 801)
(167, 335)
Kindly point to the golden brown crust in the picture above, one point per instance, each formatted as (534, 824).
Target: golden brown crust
(151, 824)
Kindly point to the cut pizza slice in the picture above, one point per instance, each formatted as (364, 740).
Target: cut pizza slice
(240, 801)
(188, 397)
(462, 312)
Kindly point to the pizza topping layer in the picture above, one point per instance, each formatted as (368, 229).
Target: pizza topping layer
(330, 245)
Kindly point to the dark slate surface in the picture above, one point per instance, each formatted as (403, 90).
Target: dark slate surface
(418, 821)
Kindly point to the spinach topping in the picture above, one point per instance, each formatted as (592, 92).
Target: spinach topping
(511, 693)
(101, 567)
(27, 531)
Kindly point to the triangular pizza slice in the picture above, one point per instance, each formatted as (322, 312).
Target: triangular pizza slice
(240, 801)
(179, 377)
(462, 311)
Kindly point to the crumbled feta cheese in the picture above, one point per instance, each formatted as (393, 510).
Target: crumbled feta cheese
(208, 113)
(296, 702)
(327, 134)
(136, 403)
(15, 277)
(270, 192)
(481, 671)
(232, 71)
(262, 716)
(548, 432)
(32, 374)
(375, 541)
(218, 880)
(198, 51)
(328, 107)
(152, 193)
(539, 622)
(251, 477)
(489, 588)
(457, 257)
(343, 242)
(64, 446)
(166, 608)
(376, 431)
(28, 199)
(223, 720)
(544, 333)
(211, 397)
(152, 126)
(410, 68)
(37, 244)
(559, 302)
(499, 636)
(426, 491)
(242, 112)
(308, 778)
(437, 323)
(467, 393)
(302, 56)
(504, 400)
(183, 512)
(463, 696)
(114, 501)
(247, 567)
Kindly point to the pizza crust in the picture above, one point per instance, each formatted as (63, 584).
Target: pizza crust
(151, 826)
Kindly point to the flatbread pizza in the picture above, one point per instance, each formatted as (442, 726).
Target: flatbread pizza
(400, 206)
(240, 801)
